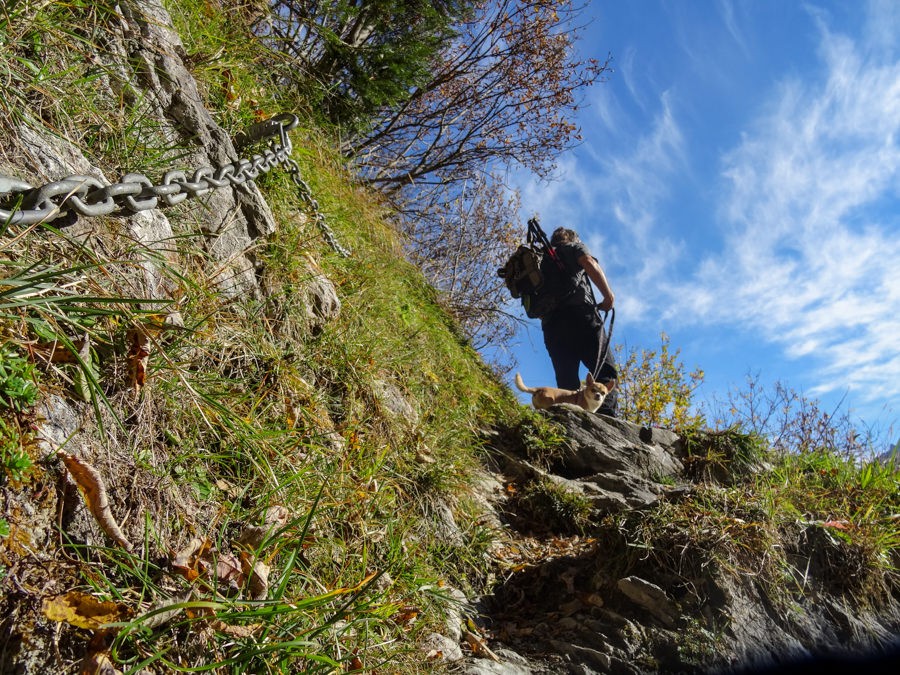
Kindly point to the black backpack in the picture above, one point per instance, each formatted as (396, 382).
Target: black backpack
(536, 275)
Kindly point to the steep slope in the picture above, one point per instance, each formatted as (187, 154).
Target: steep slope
(228, 446)
(244, 445)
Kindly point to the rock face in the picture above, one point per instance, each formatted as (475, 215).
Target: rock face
(605, 460)
(232, 219)
(608, 608)
(143, 62)
(144, 65)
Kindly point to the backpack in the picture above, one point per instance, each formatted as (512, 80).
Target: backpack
(535, 275)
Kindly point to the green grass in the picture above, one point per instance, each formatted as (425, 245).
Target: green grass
(542, 440)
(252, 403)
(552, 505)
(805, 523)
(724, 456)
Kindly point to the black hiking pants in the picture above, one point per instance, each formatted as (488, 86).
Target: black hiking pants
(575, 336)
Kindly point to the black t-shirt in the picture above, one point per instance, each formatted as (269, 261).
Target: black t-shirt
(570, 253)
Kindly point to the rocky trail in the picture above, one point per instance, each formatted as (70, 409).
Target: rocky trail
(584, 604)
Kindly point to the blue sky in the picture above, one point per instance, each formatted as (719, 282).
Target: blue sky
(739, 181)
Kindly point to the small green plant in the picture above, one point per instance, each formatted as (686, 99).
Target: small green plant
(18, 393)
(542, 440)
(655, 389)
(17, 388)
(696, 645)
(725, 455)
(14, 460)
(553, 505)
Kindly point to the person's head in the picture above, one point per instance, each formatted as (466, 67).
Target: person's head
(563, 235)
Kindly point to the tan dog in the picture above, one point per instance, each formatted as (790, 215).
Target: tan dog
(590, 396)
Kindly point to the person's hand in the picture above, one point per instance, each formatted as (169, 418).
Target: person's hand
(606, 304)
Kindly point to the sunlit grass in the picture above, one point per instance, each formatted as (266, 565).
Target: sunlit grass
(245, 403)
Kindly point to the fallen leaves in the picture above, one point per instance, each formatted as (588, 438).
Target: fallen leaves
(187, 561)
(219, 571)
(139, 339)
(837, 524)
(253, 536)
(529, 551)
(406, 616)
(138, 357)
(83, 610)
(479, 646)
(223, 572)
(214, 573)
(93, 490)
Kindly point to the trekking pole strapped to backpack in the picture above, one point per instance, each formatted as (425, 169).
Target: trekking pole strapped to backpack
(536, 275)
(536, 235)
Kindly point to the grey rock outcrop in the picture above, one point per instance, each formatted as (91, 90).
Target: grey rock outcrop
(606, 461)
(614, 607)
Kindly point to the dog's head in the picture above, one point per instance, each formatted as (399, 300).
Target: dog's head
(595, 392)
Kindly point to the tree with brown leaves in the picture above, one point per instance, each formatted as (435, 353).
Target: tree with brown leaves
(459, 245)
(505, 93)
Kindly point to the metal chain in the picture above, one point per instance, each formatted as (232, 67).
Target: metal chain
(88, 196)
(318, 217)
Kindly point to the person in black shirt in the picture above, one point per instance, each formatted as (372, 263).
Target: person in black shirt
(573, 332)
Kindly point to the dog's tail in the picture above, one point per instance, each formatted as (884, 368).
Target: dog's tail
(521, 385)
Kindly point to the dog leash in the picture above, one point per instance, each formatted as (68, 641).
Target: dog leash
(611, 315)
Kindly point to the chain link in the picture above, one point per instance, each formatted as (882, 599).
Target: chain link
(88, 196)
(318, 216)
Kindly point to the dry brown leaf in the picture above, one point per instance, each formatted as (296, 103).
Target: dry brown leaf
(355, 663)
(424, 457)
(138, 356)
(837, 524)
(253, 535)
(187, 560)
(98, 664)
(276, 516)
(200, 560)
(228, 567)
(236, 631)
(290, 413)
(406, 615)
(479, 647)
(94, 492)
(83, 610)
(52, 352)
(229, 572)
(258, 574)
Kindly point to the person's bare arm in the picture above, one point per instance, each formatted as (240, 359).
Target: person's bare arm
(595, 274)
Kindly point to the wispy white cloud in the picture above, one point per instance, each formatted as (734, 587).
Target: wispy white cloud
(615, 203)
(883, 26)
(728, 12)
(625, 66)
(634, 185)
(813, 236)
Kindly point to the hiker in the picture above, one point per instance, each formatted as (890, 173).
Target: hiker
(573, 331)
